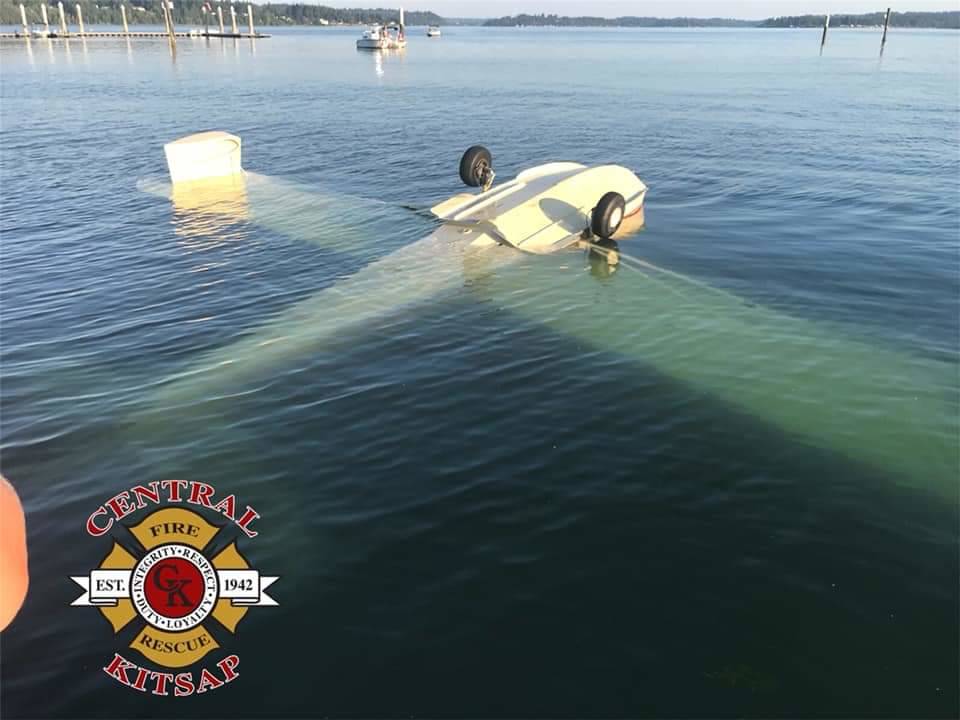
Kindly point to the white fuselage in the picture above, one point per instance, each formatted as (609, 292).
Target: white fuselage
(543, 209)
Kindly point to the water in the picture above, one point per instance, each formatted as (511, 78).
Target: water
(537, 490)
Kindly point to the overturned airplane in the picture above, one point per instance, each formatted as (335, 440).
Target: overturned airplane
(897, 414)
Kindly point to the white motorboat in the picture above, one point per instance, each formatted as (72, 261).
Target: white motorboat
(373, 38)
(390, 36)
(433, 31)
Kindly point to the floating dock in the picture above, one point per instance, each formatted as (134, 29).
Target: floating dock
(114, 34)
(120, 35)
(62, 29)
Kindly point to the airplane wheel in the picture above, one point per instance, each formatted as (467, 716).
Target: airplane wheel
(607, 215)
(474, 166)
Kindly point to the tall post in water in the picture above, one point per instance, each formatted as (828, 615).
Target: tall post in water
(23, 20)
(233, 21)
(886, 24)
(206, 21)
(63, 20)
(220, 17)
(823, 38)
(80, 18)
(123, 14)
(168, 15)
(249, 18)
(46, 20)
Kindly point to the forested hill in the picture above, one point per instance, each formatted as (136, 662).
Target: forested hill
(629, 21)
(188, 12)
(949, 19)
(300, 14)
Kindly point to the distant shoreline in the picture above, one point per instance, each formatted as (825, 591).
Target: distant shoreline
(948, 19)
(190, 12)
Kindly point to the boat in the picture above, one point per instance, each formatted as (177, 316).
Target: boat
(390, 36)
(433, 31)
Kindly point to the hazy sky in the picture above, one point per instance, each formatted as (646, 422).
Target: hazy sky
(751, 9)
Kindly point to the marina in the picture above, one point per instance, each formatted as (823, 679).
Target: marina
(62, 31)
(131, 35)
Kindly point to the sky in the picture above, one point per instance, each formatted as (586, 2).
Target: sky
(747, 9)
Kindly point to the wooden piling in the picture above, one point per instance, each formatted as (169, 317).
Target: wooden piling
(23, 20)
(46, 20)
(123, 14)
(220, 17)
(249, 19)
(233, 21)
(886, 24)
(80, 18)
(171, 33)
(823, 38)
(63, 20)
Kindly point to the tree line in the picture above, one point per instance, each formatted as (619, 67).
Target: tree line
(190, 12)
(544, 20)
(949, 19)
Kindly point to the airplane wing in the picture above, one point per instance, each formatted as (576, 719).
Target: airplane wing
(414, 273)
(789, 372)
(344, 223)
(894, 412)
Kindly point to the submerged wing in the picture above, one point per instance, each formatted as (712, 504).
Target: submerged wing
(894, 413)
(440, 262)
(344, 223)
(399, 272)
(890, 410)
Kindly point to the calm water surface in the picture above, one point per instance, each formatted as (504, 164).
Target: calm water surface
(539, 490)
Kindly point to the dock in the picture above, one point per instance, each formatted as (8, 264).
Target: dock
(61, 30)
(133, 35)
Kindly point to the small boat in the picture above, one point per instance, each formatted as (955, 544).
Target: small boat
(433, 31)
(373, 38)
(390, 36)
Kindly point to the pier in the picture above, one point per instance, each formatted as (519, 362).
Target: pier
(154, 34)
(62, 30)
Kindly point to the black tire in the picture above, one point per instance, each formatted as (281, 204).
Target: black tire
(474, 165)
(607, 215)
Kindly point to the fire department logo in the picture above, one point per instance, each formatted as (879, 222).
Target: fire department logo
(181, 588)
